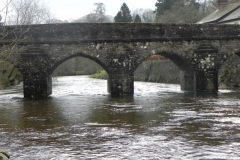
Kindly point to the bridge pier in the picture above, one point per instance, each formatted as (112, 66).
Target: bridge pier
(207, 81)
(206, 65)
(37, 86)
(199, 81)
(121, 84)
(188, 81)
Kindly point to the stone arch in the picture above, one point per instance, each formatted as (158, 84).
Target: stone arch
(178, 60)
(79, 54)
(226, 50)
(181, 54)
(176, 54)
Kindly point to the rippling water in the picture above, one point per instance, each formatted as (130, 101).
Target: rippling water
(81, 121)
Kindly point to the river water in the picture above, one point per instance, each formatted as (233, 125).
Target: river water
(81, 121)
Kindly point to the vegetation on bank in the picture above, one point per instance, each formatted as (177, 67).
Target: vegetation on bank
(100, 75)
(9, 75)
(229, 73)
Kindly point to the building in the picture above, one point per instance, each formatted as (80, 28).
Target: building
(225, 14)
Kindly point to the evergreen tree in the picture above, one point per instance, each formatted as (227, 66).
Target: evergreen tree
(162, 6)
(124, 15)
(137, 19)
(118, 17)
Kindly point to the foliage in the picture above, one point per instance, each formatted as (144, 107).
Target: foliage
(146, 15)
(97, 16)
(8, 75)
(118, 17)
(183, 14)
(137, 19)
(124, 15)
(100, 75)
(162, 6)
(229, 73)
(19, 12)
(184, 11)
(25, 12)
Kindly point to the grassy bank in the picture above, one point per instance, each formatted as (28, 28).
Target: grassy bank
(100, 75)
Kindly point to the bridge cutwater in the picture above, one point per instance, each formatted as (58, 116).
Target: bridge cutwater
(198, 50)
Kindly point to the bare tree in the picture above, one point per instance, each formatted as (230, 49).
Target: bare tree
(146, 15)
(19, 12)
(98, 16)
(25, 12)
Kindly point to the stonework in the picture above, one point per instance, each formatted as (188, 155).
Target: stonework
(198, 51)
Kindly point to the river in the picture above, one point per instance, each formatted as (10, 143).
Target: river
(80, 120)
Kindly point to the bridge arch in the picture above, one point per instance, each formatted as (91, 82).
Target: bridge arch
(78, 54)
(186, 74)
(177, 52)
(180, 53)
(178, 60)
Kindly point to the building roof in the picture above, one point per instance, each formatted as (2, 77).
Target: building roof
(223, 14)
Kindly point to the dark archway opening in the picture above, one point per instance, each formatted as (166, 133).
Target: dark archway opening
(80, 72)
(78, 66)
(168, 67)
(158, 68)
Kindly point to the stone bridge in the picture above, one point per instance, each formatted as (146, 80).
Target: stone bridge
(198, 51)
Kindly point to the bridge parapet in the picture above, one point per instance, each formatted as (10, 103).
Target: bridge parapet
(75, 33)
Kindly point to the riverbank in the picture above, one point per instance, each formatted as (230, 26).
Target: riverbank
(9, 75)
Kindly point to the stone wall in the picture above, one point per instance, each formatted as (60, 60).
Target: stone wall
(119, 32)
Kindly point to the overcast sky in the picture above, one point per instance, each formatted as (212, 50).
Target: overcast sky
(73, 9)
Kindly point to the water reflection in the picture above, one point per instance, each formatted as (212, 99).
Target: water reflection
(83, 122)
